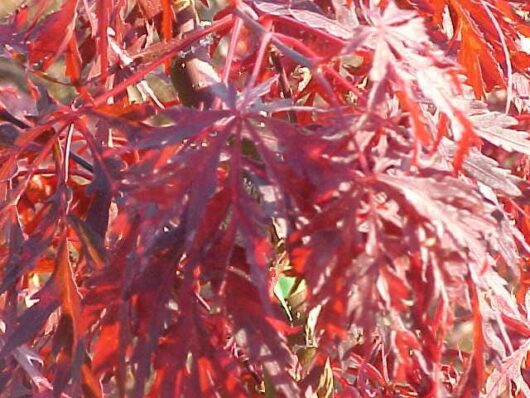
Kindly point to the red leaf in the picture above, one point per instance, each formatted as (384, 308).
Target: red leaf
(103, 8)
(265, 345)
(53, 35)
(168, 18)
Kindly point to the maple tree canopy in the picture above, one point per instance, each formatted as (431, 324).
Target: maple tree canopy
(264, 198)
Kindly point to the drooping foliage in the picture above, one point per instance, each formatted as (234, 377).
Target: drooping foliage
(265, 198)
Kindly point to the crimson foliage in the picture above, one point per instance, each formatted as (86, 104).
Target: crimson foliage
(297, 198)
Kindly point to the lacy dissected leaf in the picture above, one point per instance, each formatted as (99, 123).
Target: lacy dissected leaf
(28, 359)
(488, 32)
(404, 58)
(444, 204)
(92, 244)
(33, 319)
(69, 346)
(202, 367)
(167, 166)
(53, 35)
(495, 128)
(509, 371)
(153, 289)
(34, 246)
(260, 336)
(307, 174)
(487, 171)
(306, 13)
(188, 123)
(106, 291)
(393, 32)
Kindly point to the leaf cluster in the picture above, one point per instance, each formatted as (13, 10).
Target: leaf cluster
(265, 198)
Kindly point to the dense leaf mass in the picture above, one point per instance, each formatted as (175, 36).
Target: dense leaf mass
(278, 198)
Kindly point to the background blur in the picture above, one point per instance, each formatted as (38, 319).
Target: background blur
(6, 6)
